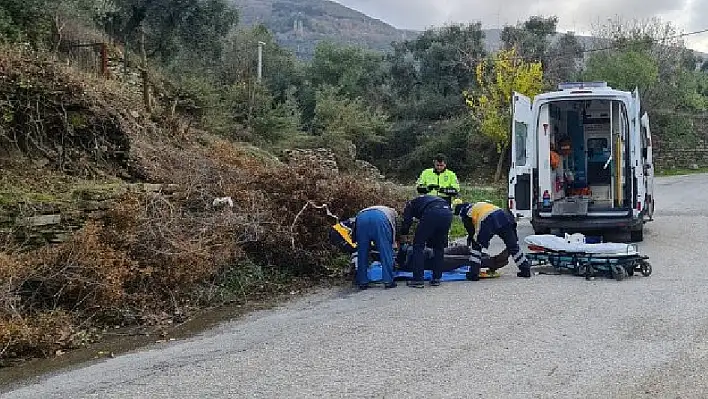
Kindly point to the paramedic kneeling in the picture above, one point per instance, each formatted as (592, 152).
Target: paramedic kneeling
(377, 224)
(483, 221)
(434, 219)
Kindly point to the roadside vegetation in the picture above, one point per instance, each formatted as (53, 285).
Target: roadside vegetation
(681, 171)
(108, 186)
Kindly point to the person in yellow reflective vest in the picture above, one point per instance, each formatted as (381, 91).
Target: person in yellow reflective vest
(439, 181)
(483, 221)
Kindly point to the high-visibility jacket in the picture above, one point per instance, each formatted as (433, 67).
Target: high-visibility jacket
(485, 220)
(435, 182)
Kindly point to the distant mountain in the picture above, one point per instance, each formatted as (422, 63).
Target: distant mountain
(300, 24)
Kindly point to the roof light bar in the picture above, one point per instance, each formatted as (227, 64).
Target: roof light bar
(580, 85)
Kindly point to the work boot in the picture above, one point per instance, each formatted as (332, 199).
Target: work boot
(435, 282)
(501, 260)
(524, 272)
(415, 284)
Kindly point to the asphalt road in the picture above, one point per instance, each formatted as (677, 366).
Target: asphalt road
(547, 337)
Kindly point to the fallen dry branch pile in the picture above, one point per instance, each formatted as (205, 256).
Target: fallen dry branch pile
(154, 256)
(158, 253)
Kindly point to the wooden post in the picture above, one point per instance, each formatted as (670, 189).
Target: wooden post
(104, 60)
(144, 70)
(125, 60)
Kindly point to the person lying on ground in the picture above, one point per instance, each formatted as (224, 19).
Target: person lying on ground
(454, 258)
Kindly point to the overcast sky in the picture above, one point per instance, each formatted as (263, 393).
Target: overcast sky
(577, 15)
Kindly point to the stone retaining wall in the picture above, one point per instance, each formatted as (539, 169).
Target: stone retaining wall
(670, 156)
(34, 225)
(327, 160)
(689, 152)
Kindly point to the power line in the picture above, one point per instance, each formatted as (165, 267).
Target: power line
(652, 41)
(613, 47)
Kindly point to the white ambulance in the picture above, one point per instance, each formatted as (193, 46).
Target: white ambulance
(581, 161)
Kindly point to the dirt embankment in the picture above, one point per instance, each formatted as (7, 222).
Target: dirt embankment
(108, 214)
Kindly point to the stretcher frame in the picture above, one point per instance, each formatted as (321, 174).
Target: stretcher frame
(590, 265)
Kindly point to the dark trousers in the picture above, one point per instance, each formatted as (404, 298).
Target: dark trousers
(511, 240)
(510, 237)
(433, 228)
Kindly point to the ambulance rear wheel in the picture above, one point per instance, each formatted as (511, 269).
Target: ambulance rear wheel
(541, 230)
(637, 235)
(618, 272)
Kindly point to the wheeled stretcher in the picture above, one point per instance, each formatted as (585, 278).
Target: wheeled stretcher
(614, 260)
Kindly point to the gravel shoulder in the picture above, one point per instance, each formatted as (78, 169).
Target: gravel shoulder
(547, 337)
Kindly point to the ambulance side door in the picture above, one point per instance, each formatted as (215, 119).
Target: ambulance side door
(522, 145)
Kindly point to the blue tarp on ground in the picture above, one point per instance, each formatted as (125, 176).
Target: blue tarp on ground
(375, 274)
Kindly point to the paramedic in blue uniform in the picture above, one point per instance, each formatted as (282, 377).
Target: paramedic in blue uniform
(377, 224)
(434, 219)
(483, 221)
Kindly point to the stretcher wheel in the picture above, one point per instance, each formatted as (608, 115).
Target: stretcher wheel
(577, 268)
(630, 270)
(645, 268)
(618, 272)
(586, 270)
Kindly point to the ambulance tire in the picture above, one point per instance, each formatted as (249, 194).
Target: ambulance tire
(637, 235)
(540, 230)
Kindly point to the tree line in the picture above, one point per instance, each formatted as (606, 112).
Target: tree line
(439, 92)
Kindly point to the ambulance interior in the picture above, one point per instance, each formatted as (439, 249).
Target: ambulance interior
(587, 141)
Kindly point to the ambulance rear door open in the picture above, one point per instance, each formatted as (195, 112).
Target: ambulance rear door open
(522, 157)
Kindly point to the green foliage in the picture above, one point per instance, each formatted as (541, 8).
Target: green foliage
(498, 79)
(531, 38)
(279, 120)
(676, 130)
(248, 111)
(458, 138)
(561, 61)
(398, 108)
(423, 96)
(338, 118)
(649, 56)
(429, 73)
(229, 100)
(356, 71)
(171, 26)
(240, 61)
(26, 20)
(623, 70)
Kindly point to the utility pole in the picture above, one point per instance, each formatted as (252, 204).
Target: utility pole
(260, 61)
